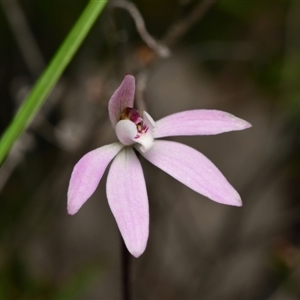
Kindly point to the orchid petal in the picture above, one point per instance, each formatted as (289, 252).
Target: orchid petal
(128, 200)
(194, 170)
(148, 121)
(126, 131)
(87, 174)
(121, 98)
(198, 122)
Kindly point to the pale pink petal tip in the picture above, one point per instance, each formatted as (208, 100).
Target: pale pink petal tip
(128, 200)
(87, 174)
(242, 124)
(237, 201)
(123, 97)
(137, 253)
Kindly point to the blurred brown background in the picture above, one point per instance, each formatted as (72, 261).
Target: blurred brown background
(238, 56)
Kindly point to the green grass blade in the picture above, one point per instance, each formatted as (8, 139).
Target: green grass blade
(50, 76)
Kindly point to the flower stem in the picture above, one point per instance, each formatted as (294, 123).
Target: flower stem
(126, 259)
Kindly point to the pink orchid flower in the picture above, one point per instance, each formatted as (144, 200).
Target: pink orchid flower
(126, 188)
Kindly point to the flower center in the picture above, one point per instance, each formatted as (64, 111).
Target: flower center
(132, 129)
(129, 113)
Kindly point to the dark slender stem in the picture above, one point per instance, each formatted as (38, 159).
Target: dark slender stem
(125, 257)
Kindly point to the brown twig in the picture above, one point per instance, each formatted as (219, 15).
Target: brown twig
(173, 35)
(160, 49)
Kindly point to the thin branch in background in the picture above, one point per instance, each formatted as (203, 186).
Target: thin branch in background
(28, 46)
(160, 49)
(181, 27)
(172, 36)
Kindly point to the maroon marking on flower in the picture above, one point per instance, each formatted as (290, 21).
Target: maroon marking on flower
(129, 113)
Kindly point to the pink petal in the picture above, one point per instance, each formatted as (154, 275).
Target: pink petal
(198, 122)
(87, 174)
(121, 98)
(194, 170)
(128, 200)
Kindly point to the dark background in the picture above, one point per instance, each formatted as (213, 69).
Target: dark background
(239, 56)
